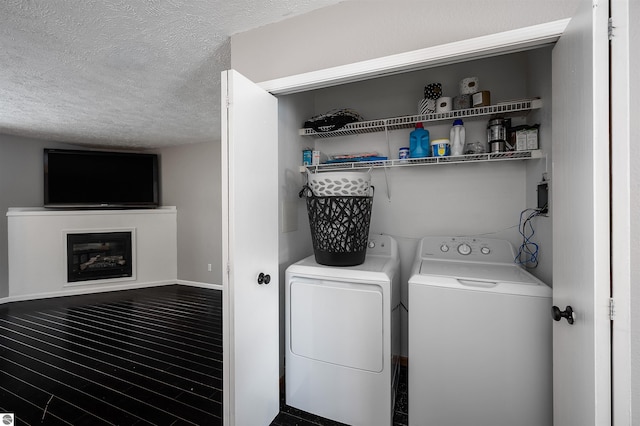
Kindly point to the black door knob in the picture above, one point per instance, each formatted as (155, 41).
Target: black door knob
(557, 314)
(264, 278)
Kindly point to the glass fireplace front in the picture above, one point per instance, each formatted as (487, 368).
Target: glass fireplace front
(99, 256)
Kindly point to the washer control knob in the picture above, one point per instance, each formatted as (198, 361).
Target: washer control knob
(485, 250)
(464, 249)
(372, 244)
(444, 248)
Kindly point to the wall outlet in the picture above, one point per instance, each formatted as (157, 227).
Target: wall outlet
(209, 267)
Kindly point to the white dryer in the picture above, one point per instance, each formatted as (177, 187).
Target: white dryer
(479, 337)
(343, 338)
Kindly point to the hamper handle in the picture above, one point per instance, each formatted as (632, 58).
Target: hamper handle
(305, 191)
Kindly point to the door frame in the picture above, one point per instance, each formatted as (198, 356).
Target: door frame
(623, 246)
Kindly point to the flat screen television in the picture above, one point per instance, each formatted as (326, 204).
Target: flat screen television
(100, 179)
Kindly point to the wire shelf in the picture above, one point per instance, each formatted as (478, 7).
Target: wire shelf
(470, 158)
(408, 122)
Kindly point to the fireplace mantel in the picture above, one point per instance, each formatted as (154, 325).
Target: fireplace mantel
(37, 249)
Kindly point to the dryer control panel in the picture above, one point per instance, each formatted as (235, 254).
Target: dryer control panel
(467, 249)
(382, 245)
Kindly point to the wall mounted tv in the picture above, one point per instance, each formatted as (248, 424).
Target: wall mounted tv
(100, 179)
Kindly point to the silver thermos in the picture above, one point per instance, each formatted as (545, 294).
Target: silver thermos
(497, 135)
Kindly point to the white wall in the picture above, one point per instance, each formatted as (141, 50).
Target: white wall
(190, 180)
(357, 30)
(21, 185)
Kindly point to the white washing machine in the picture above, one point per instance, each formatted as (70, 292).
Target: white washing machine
(343, 337)
(479, 337)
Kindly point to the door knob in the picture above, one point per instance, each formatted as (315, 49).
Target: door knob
(264, 278)
(557, 314)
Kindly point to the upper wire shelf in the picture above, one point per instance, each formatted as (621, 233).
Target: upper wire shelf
(470, 158)
(409, 121)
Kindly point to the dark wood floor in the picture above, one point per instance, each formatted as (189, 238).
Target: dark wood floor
(149, 356)
(134, 357)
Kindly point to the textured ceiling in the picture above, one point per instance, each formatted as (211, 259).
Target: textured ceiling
(128, 73)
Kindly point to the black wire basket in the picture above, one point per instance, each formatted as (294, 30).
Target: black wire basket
(339, 227)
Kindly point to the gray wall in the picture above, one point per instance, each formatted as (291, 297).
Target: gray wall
(358, 30)
(21, 185)
(539, 67)
(191, 181)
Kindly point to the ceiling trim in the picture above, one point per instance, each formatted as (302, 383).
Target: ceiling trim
(480, 47)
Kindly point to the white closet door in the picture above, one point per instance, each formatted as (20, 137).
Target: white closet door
(250, 248)
(580, 212)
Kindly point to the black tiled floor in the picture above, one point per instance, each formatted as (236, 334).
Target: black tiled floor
(138, 357)
(147, 356)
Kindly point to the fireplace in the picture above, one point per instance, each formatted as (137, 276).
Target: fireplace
(99, 256)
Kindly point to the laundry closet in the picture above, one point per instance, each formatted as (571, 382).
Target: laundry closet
(483, 197)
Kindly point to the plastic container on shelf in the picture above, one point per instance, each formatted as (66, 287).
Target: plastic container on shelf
(403, 153)
(419, 142)
(457, 137)
(440, 147)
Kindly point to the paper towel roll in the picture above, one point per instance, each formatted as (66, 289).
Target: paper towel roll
(427, 106)
(469, 85)
(443, 104)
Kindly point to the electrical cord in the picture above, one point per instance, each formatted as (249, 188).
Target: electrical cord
(527, 254)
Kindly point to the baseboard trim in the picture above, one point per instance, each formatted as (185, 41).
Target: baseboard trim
(103, 289)
(88, 290)
(199, 284)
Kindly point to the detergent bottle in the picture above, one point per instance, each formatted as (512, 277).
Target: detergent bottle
(456, 136)
(419, 142)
